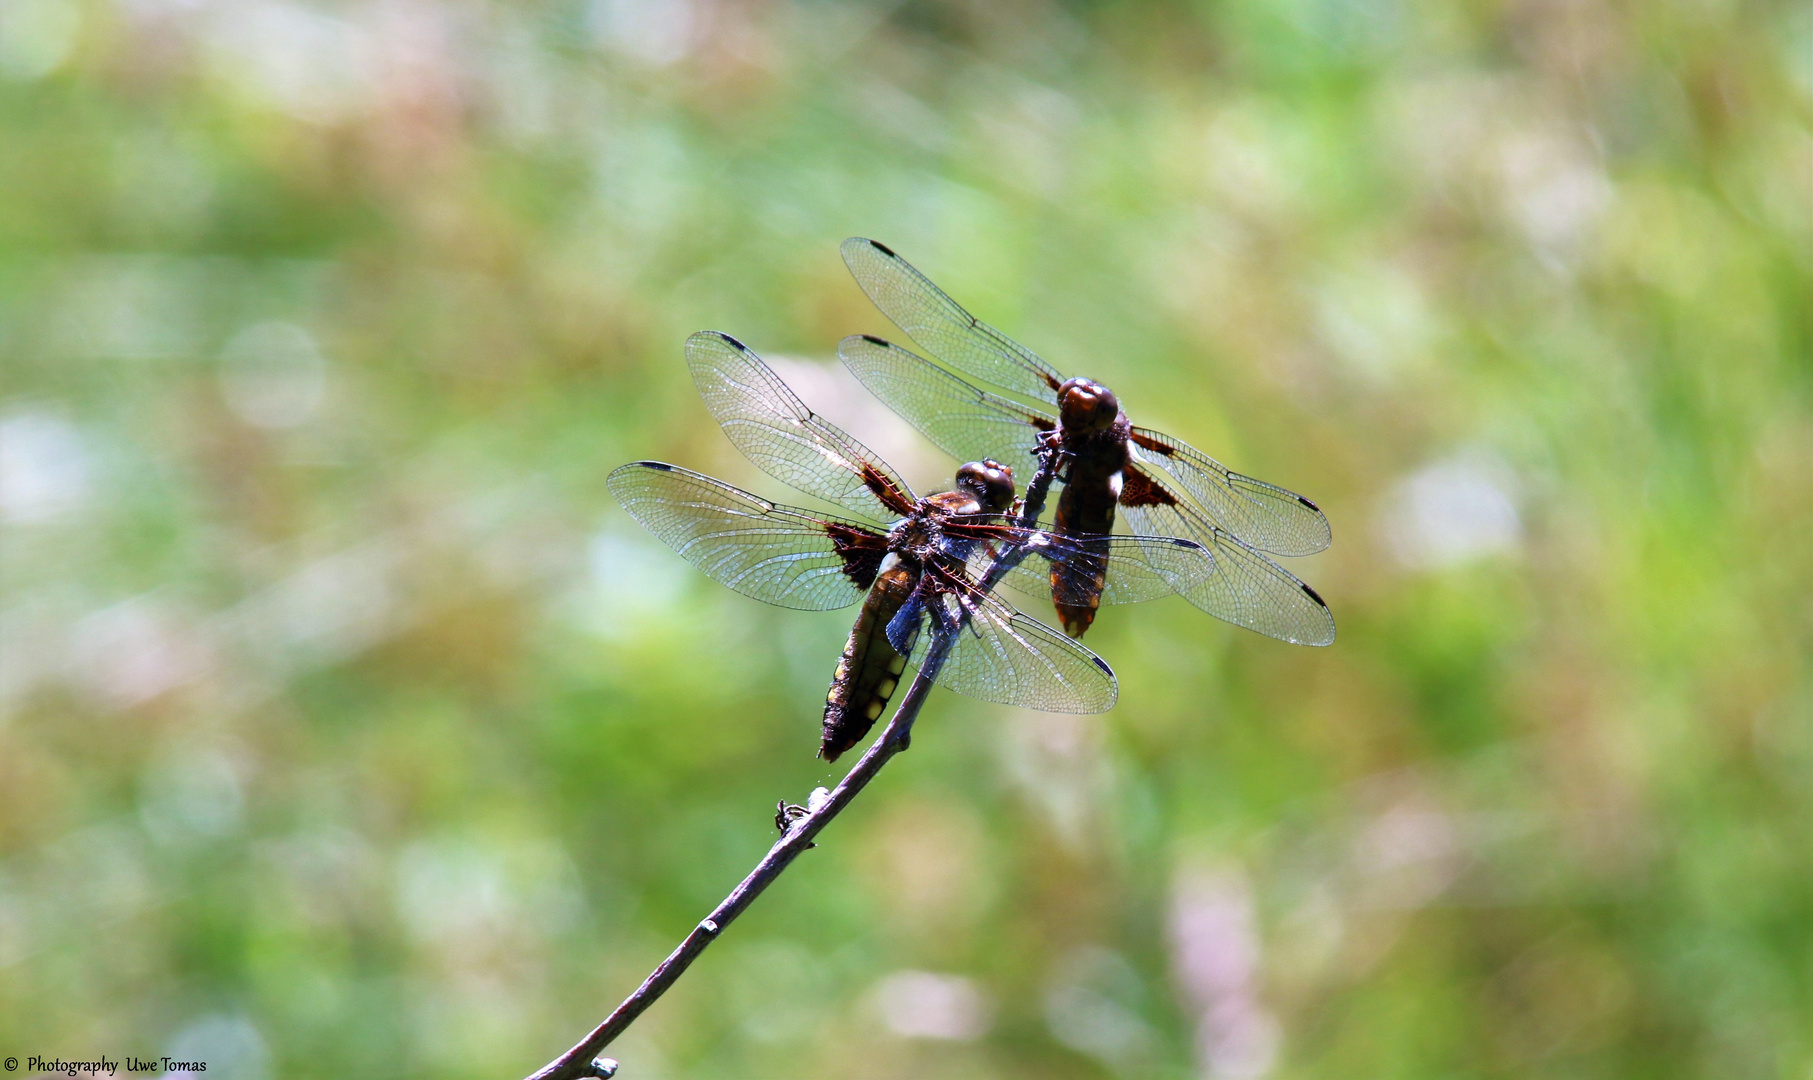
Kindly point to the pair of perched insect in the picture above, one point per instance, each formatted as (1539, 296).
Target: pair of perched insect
(935, 565)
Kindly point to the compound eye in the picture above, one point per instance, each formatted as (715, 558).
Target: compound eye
(1106, 403)
(1087, 405)
(998, 485)
(991, 482)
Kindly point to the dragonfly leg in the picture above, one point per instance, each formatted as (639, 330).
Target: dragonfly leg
(1051, 445)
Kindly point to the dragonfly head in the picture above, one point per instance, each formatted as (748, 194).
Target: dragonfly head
(1086, 406)
(991, 482)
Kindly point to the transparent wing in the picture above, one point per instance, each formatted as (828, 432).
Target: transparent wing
(1003, 656)
(1131, 568)
(777, 554)
(774, 429)
(1264, 515)
(967, 423)
(942, 327)
(1246, 589)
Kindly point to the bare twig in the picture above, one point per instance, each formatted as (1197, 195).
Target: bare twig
(582, 1060)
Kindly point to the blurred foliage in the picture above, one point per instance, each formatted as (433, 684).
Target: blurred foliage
(348, 729)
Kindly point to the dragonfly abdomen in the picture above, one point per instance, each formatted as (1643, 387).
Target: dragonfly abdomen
(1086, 508)
(869, 669)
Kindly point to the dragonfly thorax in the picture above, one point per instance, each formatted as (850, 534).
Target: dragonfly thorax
(915, 536)
(921, 537)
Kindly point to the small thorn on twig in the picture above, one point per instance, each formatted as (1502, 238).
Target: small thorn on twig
(709, 927)
(603, 1066)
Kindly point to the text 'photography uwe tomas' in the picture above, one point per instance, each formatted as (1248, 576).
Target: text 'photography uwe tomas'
(125, 1065)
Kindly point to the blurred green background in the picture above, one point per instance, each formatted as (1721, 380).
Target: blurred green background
(348, 728)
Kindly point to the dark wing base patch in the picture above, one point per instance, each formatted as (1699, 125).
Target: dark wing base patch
(861, 551)
(1137, 489)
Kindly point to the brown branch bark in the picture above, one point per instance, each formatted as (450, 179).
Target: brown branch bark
(582, 1060)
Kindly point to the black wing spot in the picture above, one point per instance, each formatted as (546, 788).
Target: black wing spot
(662, 465)
(883, 248)
(873, 340)
(1103, 664)
(739, 346)
(1313, 596)
(1309, 504)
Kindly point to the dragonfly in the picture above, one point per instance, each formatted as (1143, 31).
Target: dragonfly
(917, 565)
(1162, 485)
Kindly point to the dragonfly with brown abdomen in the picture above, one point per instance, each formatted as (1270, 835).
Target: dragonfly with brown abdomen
(919, 578)
(1162, 485)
